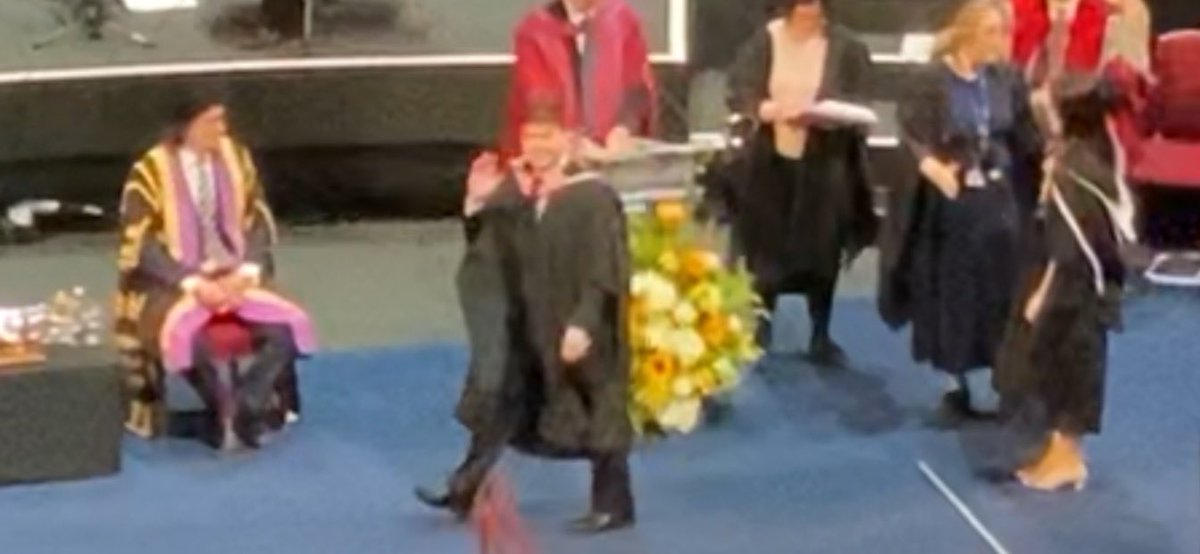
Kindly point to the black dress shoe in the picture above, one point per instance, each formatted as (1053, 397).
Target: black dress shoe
(823, 351)
(441, 501)
(954, 410)
(599, 522)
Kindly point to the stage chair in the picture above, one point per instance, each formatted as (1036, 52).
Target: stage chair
(230, 343)
(1162, 164)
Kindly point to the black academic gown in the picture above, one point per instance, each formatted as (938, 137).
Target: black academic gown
(1054, 368)
(576, 273)
(940, 265)
(523, 280)
(499, 394)
(801, 231)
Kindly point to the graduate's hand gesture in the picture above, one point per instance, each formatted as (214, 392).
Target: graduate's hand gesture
(483, 179)
(619, 139)
(943, 175)
(575, 345)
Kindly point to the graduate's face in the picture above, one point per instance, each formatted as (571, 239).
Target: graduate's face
(543, 145)
(806, 15)
(207, 129)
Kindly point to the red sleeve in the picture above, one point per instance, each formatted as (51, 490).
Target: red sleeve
(640, 105)
(1087, 35)
(1030, 25)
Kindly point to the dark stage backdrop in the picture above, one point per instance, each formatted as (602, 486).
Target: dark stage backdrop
(371, 118)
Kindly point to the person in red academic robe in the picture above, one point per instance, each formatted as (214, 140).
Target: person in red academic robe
(594, 54)
(1057, 35)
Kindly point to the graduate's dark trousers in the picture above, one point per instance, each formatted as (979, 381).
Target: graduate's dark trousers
(612, 491)
(819, 292)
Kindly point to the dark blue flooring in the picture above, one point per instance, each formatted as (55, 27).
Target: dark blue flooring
(807, 462)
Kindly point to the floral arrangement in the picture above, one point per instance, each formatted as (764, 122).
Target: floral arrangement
(691, 321)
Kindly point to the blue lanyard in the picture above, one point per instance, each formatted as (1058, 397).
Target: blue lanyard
(982, 109)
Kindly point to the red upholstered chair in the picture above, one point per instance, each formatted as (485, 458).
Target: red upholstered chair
(229, 340)
(1163, 159)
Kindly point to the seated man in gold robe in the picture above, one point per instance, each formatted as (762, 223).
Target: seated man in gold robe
(196, 249)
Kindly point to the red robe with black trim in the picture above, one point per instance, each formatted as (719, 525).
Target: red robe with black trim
(610, 84)
(1031, 29)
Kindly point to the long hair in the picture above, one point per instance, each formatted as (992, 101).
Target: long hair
(963, 26)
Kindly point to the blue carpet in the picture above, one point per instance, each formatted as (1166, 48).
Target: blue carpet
(807, 461)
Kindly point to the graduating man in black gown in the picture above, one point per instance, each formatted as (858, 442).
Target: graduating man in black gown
(543, 288)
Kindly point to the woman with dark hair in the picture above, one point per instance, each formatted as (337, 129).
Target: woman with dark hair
(804, 202)
(949, 248)
(1052, 361)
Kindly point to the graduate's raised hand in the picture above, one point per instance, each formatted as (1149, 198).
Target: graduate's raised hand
(575, 345)
(484, 177)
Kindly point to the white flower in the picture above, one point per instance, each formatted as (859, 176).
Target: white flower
(659, 293)
(687, 345)
(681, 415)
(686, 314)
(683, 387)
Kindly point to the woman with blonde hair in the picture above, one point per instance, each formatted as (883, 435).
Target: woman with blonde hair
(949, 244)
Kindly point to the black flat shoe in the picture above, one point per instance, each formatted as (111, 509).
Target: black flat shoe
(954, 410)
(249, 428)
(598, 522)
(825, 352)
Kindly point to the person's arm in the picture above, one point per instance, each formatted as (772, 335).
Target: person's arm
(637, 107)
(747, 80)
(919, 128)
(261, 233)
(606, 274)
(140, 251)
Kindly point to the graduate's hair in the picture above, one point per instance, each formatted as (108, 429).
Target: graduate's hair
(963, 24)
(782, 8)
(545, 108)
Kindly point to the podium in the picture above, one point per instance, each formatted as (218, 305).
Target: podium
(654, 171)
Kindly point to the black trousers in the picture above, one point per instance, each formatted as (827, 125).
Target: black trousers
(254, 387)
(612, 490)
(819, 291)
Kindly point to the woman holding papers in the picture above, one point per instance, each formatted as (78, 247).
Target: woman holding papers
(949, 249)
(803, 205)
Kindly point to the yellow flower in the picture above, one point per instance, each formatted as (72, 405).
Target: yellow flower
(668, 261)
(706, 382)
(685, 314)
(671, 214)
(699, 263)
(655, 380)
(714, 329)
(707, 297)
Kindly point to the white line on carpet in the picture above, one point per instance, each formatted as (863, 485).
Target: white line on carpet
(961, 507)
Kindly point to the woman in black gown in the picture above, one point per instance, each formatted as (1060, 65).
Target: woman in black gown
(1052, 361)
(950, 246)
(803, 203)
